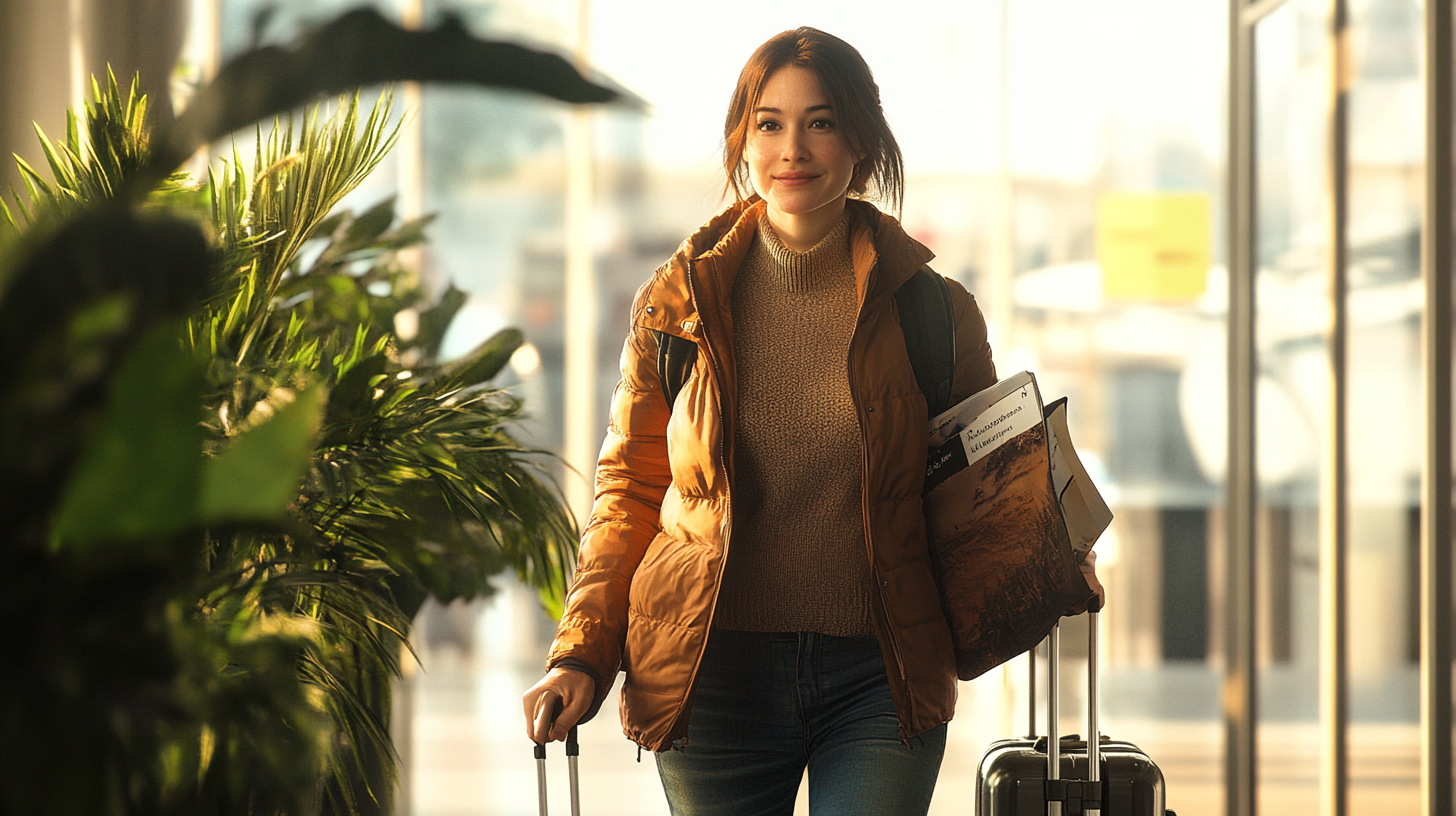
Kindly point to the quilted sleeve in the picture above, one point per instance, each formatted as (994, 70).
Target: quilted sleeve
(632, 477)
(975, 369)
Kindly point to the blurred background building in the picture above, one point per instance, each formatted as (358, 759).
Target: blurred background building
(1068, 161)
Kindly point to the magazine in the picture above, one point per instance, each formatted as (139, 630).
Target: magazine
(1084, 511)
(999, 538)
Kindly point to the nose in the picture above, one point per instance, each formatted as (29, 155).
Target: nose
(795, 146)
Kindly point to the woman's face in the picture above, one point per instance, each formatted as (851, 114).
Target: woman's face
(797, 161)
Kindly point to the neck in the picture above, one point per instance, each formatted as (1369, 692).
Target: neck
(801, 232)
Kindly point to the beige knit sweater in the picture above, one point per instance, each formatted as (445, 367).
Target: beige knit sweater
(798, 560)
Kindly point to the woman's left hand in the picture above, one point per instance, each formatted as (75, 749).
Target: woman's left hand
(1089, 573)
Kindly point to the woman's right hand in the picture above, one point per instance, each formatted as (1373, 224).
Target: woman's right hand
(572, 689)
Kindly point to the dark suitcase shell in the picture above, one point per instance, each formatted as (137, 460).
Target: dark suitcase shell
(1011, 779)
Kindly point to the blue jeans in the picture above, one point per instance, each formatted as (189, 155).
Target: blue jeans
(768, 705)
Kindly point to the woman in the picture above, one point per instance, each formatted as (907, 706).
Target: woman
(756, 559)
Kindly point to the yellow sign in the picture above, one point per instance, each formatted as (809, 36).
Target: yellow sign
(1153, 246)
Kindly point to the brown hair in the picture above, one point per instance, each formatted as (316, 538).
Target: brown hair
(860, 120)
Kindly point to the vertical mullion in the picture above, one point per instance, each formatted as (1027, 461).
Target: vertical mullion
(410, 148)
(1436, 480)
(1334, 530)
(410, 186)
(1239, 699)
(579, 439)
(1003, 238)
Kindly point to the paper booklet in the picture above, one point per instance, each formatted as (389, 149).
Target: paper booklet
(1010, 514)
(1083, 508)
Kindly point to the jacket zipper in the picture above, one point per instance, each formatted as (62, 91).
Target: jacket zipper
(865, 506)
(727, 498)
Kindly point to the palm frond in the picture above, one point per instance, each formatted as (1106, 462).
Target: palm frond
(288, 636)
(104, 146)
(300, 172)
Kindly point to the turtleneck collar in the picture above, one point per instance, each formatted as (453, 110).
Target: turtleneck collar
(800, 270)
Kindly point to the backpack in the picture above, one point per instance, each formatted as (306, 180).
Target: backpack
(926, 318)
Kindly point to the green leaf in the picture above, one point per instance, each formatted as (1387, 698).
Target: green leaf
(256, 478)
(369, 226)
(486, 361)
(63, 172)
(32, 179)
(5, 212)
(349, 410)
(359, 49)
(139, 478)
(102, 320)
(329, 225)
(408, 234)
(437, 319)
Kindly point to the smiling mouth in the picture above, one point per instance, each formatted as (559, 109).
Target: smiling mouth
(795, 179)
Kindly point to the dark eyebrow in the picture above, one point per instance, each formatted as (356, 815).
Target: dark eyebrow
(806, 110)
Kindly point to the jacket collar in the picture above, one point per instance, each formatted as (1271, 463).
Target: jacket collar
(701, 271)
(884, 257)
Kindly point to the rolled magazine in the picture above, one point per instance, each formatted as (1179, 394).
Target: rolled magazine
(1010, 514)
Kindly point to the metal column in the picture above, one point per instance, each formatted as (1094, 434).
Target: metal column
(583, 429)
(1238, 682)
(1000, 296)
(1334, 499)
(1436, 257)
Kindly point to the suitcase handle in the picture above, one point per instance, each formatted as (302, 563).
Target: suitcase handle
(573, 751)
(1055, 788)
(1054, 726)
(1093, 606)
(1094, 736)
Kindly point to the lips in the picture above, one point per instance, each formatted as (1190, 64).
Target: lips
(794, 179)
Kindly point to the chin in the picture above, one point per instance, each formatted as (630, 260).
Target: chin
(801, 207)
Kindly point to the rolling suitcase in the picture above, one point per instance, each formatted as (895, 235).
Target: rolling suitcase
(1054, 775)
(573, 751)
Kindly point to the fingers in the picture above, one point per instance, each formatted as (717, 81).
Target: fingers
(544, 715)
(570, 713)
(541, 702)
(532, 701)
(1089, 572)
(528, 704)
(556, 703)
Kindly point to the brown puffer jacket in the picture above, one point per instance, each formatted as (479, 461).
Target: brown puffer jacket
(652, 554)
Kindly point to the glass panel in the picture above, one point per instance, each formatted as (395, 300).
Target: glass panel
(495, 172)
(1385, 418)
(1093, 135)
(1293, 70)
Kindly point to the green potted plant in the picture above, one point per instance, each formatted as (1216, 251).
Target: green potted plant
(226, 483)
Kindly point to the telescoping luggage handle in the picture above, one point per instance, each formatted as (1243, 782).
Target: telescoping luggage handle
(1056, 787)
(573, 751)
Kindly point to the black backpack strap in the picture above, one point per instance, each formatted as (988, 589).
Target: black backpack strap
(928, 322)
(675, 358)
